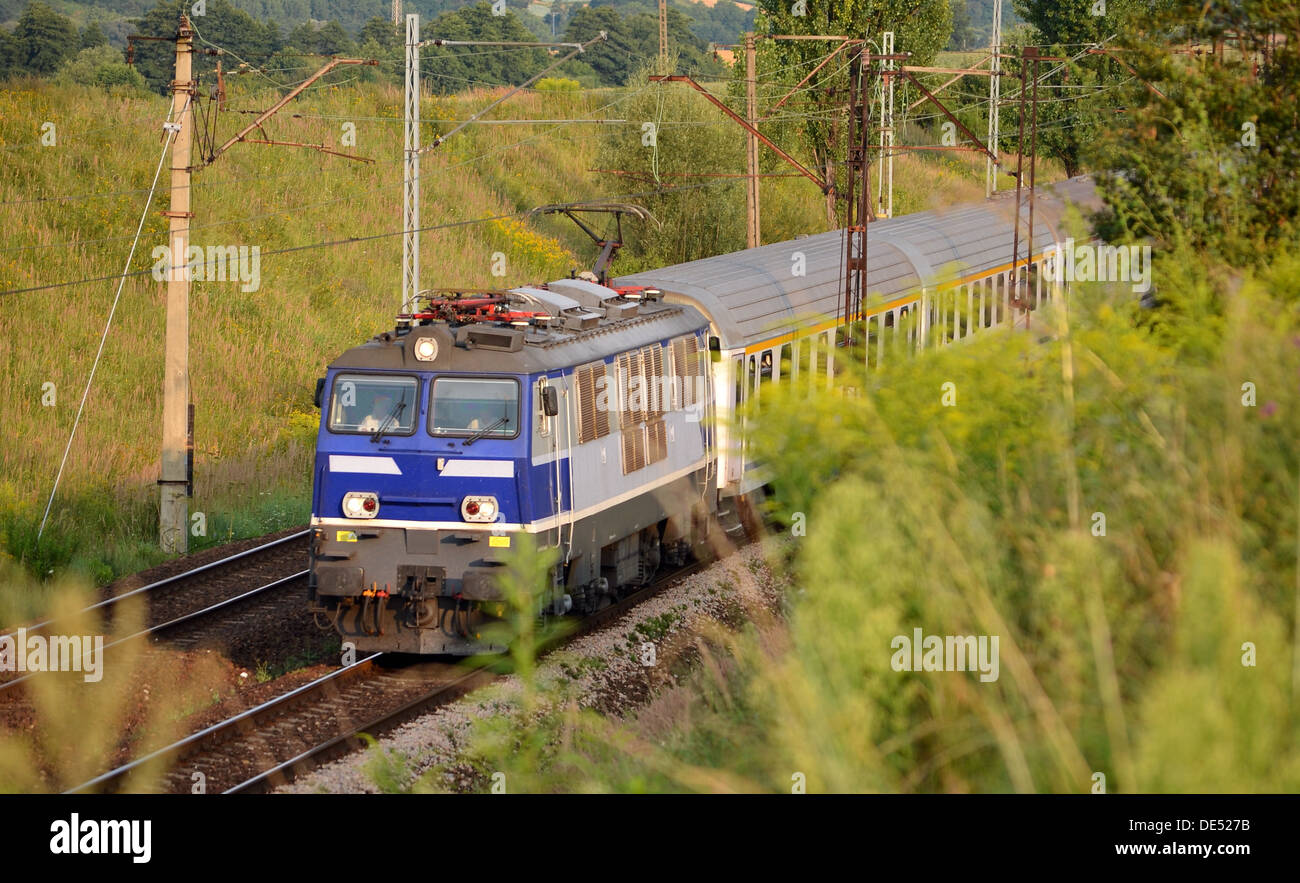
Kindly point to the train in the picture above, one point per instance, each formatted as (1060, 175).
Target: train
(607, 420)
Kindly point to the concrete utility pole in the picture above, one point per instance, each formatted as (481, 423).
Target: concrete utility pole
(178, 429)
(663, 30)
(753, 236)
(397, 13)
(995, 89)
(173, 514)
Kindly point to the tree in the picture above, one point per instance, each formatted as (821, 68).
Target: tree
(634, 40)
(383, 32)
(1075, 22)
(303, 37)
(93, 35)
(9, 51)
(1208, 165)
(1074, 106)
(331, 39)
(223, 24)
(328, 39)
(610, 59)
(723, 22)
(963, 35)
(100, 66)
(695, 222)
(921, 27)
(45, 39)
(692, 53)
(453, 68)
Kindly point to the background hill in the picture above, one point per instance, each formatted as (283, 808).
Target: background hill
(720, 21)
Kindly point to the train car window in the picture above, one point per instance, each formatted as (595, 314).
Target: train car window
(367, 403)
(633, 448)
(688, 371)
(765, 367)
(656, 442)
(631, 390)
(487, 407)
(658, 386)
(641, 410)
(592, 382)
(739, 363)
(783, 367)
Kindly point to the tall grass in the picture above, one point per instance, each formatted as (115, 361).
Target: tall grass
(1153, 650)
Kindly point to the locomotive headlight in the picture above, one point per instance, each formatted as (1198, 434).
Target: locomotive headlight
(360, 504)
(426, 349)
(479, 509)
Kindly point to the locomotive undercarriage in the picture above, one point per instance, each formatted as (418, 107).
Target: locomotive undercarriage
(405, 590)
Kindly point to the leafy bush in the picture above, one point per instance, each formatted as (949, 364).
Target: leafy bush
(100, 66)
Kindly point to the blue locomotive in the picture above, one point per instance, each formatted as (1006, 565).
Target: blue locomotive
(574, 412)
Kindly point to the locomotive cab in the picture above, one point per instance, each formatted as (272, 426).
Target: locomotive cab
(442, 441)
(417, 489)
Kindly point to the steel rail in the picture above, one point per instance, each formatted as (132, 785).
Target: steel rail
(179, 577)
(177, 749)
(180, 620)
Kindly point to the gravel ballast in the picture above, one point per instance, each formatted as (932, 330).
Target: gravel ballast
(603, 670)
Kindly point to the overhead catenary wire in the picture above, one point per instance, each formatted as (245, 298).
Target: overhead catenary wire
(170, 132)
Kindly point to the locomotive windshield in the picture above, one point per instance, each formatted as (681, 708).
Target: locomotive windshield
(486, 408)
(369, 403)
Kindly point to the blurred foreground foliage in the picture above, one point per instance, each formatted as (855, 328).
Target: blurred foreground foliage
(62, 729)
(1117, 506)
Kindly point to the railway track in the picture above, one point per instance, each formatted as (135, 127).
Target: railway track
(272, 744)
(207, 602)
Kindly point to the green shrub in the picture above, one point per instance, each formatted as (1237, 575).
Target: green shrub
(100, 66)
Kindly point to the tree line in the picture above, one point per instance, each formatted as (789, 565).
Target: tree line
(45, 43)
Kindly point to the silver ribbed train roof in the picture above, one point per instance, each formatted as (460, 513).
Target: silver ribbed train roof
(754, 295)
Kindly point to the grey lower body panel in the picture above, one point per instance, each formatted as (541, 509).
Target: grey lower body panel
(411, 590)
